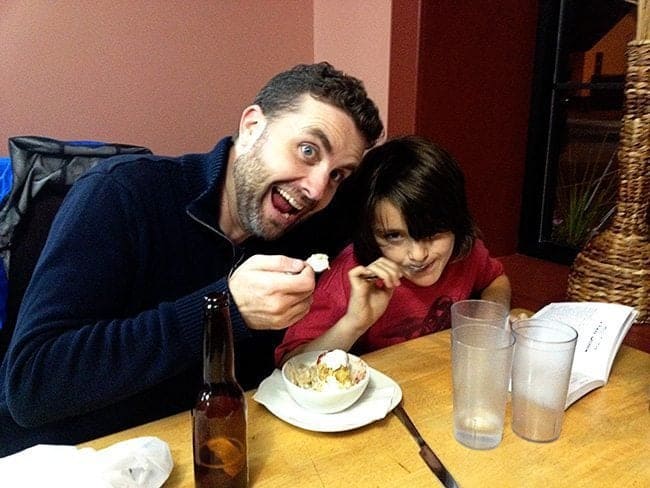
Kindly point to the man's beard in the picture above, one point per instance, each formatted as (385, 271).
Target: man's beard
(251, 181)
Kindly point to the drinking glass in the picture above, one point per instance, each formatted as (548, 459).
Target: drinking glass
(541, 369)
(481, 360)
(484, 312)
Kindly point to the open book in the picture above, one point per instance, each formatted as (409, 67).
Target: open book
(601, 328)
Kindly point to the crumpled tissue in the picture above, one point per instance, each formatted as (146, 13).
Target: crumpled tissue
(142, 462)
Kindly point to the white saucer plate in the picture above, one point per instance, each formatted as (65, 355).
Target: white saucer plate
(381, 396)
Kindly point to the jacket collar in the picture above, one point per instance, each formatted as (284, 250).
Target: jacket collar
(212, 171)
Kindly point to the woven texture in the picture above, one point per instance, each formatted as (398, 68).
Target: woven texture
(614, 266)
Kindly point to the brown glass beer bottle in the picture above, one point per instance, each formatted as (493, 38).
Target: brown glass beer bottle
(219, 416)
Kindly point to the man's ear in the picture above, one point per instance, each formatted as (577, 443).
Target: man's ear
(251, 126)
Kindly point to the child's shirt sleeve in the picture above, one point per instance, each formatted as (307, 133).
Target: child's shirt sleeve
(487, 268)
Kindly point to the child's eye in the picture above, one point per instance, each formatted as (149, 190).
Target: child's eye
(393, 236)
(436, 236)
(338, 175)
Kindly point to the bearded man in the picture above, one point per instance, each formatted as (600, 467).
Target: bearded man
(109, 334)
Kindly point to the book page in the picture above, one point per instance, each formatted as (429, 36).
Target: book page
(601, 328)
(580, 385)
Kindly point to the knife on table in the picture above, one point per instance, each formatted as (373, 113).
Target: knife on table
(425, 451)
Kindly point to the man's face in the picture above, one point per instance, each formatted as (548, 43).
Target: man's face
(294, 167)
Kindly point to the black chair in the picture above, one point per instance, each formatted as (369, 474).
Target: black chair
(43, 171)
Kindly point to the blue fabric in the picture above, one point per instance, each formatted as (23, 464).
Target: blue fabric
(86, 143)
(4, 290)
(5, 176)
(5, 186)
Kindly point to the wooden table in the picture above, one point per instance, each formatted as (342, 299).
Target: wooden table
(605, 439)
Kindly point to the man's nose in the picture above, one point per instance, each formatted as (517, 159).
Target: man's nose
(317, 182)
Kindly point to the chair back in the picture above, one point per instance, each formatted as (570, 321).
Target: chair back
(43, 170)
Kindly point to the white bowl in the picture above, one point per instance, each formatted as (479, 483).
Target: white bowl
(329, 400)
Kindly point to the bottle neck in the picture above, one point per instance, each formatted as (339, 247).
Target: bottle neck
(218, 348)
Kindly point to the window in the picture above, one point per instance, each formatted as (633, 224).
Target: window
(576, 111)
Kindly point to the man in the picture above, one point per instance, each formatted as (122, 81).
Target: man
(109, 333)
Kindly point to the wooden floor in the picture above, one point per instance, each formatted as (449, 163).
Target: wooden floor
(536, 282)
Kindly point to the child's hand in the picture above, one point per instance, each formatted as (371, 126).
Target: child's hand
(371, 290)
(518, 314)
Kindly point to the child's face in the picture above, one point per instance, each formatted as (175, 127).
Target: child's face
(423, 261)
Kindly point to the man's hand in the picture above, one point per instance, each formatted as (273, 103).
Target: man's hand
(272, 292)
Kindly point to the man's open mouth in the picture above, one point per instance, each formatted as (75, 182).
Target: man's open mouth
(284, 202)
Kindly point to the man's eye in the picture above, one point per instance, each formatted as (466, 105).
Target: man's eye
(308, 151)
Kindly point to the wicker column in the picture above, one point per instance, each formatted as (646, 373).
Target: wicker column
(615, 265)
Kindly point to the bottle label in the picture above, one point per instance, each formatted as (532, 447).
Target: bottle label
(219, 439)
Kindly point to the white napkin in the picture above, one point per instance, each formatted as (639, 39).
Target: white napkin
(375, 403)
(142, 462)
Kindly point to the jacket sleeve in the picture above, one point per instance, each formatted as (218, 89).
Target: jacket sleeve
(79, 344)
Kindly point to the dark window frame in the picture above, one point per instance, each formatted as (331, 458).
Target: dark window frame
(546, 123)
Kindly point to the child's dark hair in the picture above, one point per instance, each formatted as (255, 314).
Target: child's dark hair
(424, 182)
(325, 83)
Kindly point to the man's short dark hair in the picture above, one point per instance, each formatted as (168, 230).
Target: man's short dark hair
(325, 83)
(424, 182)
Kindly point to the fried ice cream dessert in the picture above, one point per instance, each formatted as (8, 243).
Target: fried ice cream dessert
(333, 370)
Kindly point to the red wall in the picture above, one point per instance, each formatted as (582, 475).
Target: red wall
(404, 66)
(355, 37)
(172, 75)
(474, 70)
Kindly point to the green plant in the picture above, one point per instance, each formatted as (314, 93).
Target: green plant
(585, 196)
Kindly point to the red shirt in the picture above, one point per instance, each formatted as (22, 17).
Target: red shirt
(413, 310)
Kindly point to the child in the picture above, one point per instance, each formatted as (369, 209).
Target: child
(416, 236)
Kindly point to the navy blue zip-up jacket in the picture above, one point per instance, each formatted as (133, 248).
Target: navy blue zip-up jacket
(109, 333)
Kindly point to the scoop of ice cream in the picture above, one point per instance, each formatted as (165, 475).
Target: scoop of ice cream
(319, 262)
(334, 359)
(333, 368)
